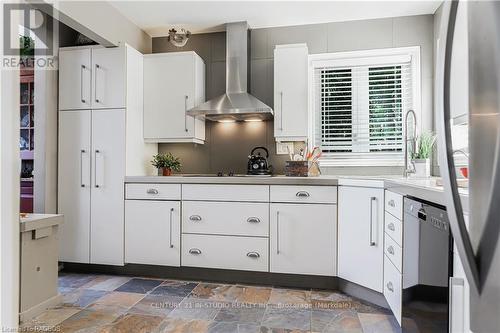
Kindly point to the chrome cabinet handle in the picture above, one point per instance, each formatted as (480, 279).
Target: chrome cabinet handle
(95, 86)
(391, 226)
(97, 151)
(390, 287)
(391, 203)
(82, 68)
(471, 263)
(372, 242)
(195, 218)
(185, 113)
(390, 249)
(253, 220)
(302, 194)
(195, 251)
(152, 191)
(82, 151)
(254, 255)
(278, 232)
(281, 111)
(171, 213)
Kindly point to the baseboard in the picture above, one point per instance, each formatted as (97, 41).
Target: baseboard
(39, 308)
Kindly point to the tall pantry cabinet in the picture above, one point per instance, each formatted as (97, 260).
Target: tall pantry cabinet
(100, 141)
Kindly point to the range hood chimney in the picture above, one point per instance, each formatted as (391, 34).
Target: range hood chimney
(236, 103)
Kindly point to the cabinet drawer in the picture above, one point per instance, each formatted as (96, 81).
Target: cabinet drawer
(225, 252)
(226, 218)
(393, 251)
(304, 194)
(394, 204)
(392, 288)
(210, 192)
(394, 228)
(153, 191)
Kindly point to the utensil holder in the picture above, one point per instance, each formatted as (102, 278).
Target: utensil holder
(296, 168)
(314, 170)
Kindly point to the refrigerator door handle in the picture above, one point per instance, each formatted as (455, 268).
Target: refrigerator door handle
(448, 173)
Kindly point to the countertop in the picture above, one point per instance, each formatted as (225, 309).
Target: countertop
(423, 188)
(38, 221)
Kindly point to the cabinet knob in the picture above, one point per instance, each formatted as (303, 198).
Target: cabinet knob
(390, 249)
(391, 227)
(152, 191)
(253, 220)
(302, 194)
(254, 255)
(390, 287)
(195, 251)
(392, 203)
(195, 218)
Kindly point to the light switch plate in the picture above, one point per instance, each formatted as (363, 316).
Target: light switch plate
(282, 148)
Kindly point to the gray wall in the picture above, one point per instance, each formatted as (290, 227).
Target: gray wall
(228, 144)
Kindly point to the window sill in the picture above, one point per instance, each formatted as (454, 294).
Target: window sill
(363, 162)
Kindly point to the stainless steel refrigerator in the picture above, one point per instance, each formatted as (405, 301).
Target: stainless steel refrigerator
(478, 246)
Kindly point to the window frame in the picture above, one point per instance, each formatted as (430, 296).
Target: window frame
(357, 58)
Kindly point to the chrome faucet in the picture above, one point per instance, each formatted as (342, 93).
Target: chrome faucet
(408, 170)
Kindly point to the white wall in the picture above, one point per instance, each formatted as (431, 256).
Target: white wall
(10, 167)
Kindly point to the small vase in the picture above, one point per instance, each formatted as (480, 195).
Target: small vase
(422, 168)
(167, 172)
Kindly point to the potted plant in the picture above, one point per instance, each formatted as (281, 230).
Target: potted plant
(167, 163)
(422, 154)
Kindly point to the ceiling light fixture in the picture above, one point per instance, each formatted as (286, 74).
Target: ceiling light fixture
(227, 121)
(253, 120)
(178, 39)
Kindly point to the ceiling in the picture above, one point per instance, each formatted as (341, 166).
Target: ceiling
(156, 17)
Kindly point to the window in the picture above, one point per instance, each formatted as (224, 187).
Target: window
(359, 102)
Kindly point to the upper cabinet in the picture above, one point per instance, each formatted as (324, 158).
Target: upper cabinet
(173, 83)
(290, 92)
(92, 78)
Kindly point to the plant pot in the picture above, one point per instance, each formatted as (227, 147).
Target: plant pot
(422, 167)
(166, 171)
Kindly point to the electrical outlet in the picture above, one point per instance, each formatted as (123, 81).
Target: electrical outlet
(282, 148)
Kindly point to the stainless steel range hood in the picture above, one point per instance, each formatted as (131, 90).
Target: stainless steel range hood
(236, 103)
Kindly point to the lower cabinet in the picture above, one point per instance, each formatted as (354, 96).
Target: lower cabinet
(303, 238)
(393, 288)
(360, 236)
(152, 232)
(225, 252)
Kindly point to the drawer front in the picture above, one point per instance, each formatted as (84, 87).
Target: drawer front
(225, 252)
(304, 194)
(394, 228)
(392, 288)
(394, 252)
(226, 218)
(394, 204)
(210, 192)
(153, 191)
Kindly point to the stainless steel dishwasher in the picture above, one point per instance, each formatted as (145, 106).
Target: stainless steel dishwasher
(427, 266)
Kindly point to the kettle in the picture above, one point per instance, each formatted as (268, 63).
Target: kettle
(257, 164)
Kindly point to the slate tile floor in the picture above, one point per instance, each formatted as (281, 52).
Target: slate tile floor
(117, 304)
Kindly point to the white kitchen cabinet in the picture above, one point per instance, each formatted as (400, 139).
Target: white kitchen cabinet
(108, 78)
(360, 236)
(108, 174)
(74, 185)
(291, 92)
(152, 232)
(303, 238)
(173, 83)
(92, 78)
(97, 148)
(75, 78)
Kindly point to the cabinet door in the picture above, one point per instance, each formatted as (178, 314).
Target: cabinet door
(108, 78)
(75, 79)
(303, 239)
(361, 225)
(152, 232)
(108, 173)
(168, 94)
(290, 92)
(74, 185)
